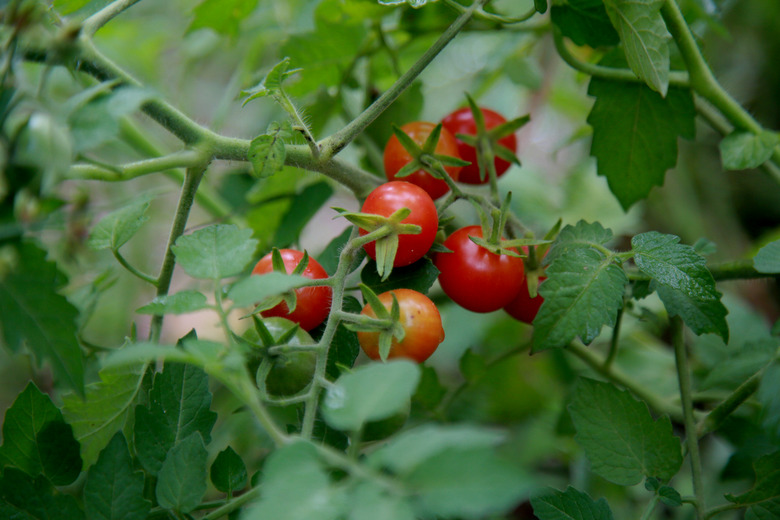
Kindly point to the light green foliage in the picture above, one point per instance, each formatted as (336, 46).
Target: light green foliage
(181, 481)
(181, 302)
(228, 472)
(742, 150)
(118, 227)
(215, 252)
(571, 504)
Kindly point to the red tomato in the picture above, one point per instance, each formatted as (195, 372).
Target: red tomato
(524, 308)
(475, 278)
(312, 303)
(462, 122)
(396, 157)
(420, 319)
(392, 196)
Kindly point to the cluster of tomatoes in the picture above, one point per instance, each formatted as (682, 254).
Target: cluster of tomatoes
(473, 276)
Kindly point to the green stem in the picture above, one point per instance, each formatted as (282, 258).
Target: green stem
(189, 188)
(613, 344)
(721, 509)
(234, 504)
(717, 415)
(650, 508)
(91, 25)
(336, 142)
(143, 276)
(686, 393)
(183, 159)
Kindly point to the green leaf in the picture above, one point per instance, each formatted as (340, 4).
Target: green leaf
(44, 144)
(370, 501)
(645, 39)
(179, 406)
(472, 366)
(301, 212)
(228, 472)
(312, 496)
(405, 452)
(635, 135)
(540, 6)
(769, 396)
(344, 348)
(36, 315)
(259, 288)
(620, 438)
(223, 16)
(570, 505)
(670, 496)
(215, 252)
(267, 154)
(69, 6)
(683, 282)
(105, 409)
(97, 122)
(419, 276)
(585, 22)
(741, 362)
(181, 482)
(430, 391)
(371, 392)
(581, 235)
(582, 293)
(743, 150)
(767, 260)
(272, 86)
(116, 228)
(60, 453)
(763, 500)
(35, 498)
(113, 489)
(443, 489)
(181, 302)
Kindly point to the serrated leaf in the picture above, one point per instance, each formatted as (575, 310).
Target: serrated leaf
(116, 228)
(259, 288)
(635, 135)
(645, 39)
(113, 489)
(223, 16)
(35, 498)
(419, 276)
(369, 501)
(585, 22)
(582, 293)
(683, 282)
(571, 504)
(181, 302)
(179, 406)
(267, 154)
(36, 315)
(582, 234)
(743, 150)
(619, 436)
(369, 393)
(304, 206)
(228, 472)
(181, 482)
(764, 496)
(741, 362)
(767, 260)
(215, 252)
(105, 409)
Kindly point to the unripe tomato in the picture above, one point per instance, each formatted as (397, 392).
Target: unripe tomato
(420, 319)
(389, 198)
(312, 303)
(475, 278)
(396, 157)
(462, 122)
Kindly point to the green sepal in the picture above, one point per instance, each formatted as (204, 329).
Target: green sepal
(469, 139)
(506, 154)
(302, 265)
(407, 142)
(432, 140)
(550, 237)
(262, 331)
(439, 248)
(408, 169)
(448, 160)
(508, 128)
(386, 249)
(495, 249)
(532, 279)
(385, 344)
(373, 300)
(520, 242)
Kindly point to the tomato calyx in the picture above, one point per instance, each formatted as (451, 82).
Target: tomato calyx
(387, 323)
(278, 267)
(425, 158)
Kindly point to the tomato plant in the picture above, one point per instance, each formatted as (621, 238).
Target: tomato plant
(396, 157)
(389, 198)
(420, 319)
(312, 303)
(475, 278)
(461, 121)
(523, 307)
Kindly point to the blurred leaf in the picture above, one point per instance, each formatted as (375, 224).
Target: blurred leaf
(767, 260)
(743, 150)
(472, 366)
(585, 22)
(228, 472)
(763, 500)
(258, 288)
(301, 211)
(116, 228)
(413, 3)
(670, 496)
(104, 410)
(430, 391)
(97, 122)
(215, 252)
(466, 483)
(344, 348)
(114, 490)
(540, 6)
(635, 135)
(181, 302)
(329, 258)
(223, 16)
(181, 481)
(645, 39)
(769, 397)
(741, 363)
(69, 6)
(180, 403)
(59, 453)
(620, 438)
(682, 280)
(371, 392)
(312, 496)
(369, 501)
(27, 498)
(570, 505)
(408, 450)
(36, 315)
(44, 144)
(419, 276)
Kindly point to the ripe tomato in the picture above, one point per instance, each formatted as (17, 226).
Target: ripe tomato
(392, 196)
(312, 303)
(396, 157)
(524, 308)
(462, 122)
(420, 319)
(475, 278)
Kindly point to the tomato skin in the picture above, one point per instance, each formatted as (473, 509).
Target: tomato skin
(312, 303)
(396, 157)
(420, 319)
(392, 196)
(461, 121)
(475, 278)
(524, 308)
